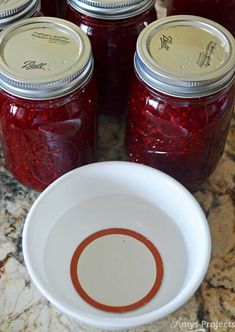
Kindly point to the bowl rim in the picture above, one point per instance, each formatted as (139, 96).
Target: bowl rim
(120, 322)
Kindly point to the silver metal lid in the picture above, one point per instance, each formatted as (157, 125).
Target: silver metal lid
(185, 56)
(109, 9)
(13, 10)
(44, 58)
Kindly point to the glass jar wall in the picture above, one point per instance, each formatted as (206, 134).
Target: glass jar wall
(55, 8)
(221, 11)
(113, 28)
(183, 138)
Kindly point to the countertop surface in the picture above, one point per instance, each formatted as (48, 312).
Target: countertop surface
(212, 308)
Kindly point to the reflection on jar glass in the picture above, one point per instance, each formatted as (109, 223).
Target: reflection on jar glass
(162, 3)
(182, 97)
(48, 118)
(221, 11)
(113, 28)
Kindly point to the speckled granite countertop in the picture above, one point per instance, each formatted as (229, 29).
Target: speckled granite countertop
(212, 308)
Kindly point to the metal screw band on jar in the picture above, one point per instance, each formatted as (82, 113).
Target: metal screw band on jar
(108, 9)
(11, 7)
(12, 11)
(59, 61)
(185, 56)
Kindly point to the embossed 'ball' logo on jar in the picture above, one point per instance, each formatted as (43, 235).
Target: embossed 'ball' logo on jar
(54, 158)
(56, 153)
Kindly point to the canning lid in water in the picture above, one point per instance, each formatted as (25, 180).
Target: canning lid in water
(13, 10)
(44, 58)
(185, 56)
(109, 9)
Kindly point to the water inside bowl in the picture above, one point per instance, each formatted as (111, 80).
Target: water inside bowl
(119, 211)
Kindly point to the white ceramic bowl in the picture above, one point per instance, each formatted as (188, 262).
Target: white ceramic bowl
(116, 270)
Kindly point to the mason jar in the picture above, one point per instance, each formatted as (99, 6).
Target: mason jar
(12, 11)
(182, 97)
(113, 28)
(47, 100)
(221, 11)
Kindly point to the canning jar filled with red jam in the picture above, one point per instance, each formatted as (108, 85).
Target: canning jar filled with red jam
(12, 11)
(48, 100)
(182, 97)
(113, 28)
(221, 11)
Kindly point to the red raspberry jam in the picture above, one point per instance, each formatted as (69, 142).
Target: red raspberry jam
(12, 11)
(113, 28)
(55, 8)
(221, 11)
(182, 97)
(48, 100)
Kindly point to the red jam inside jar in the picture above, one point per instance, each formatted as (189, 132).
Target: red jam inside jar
(221, 11)
(53, 131)
(55, 8)
(113, 37)
(181, 99)
(184, 140)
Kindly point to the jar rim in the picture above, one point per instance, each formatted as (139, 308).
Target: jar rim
(161, 56)
(18, 10)
(12, 7)
(107, 9)
(55, 61)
